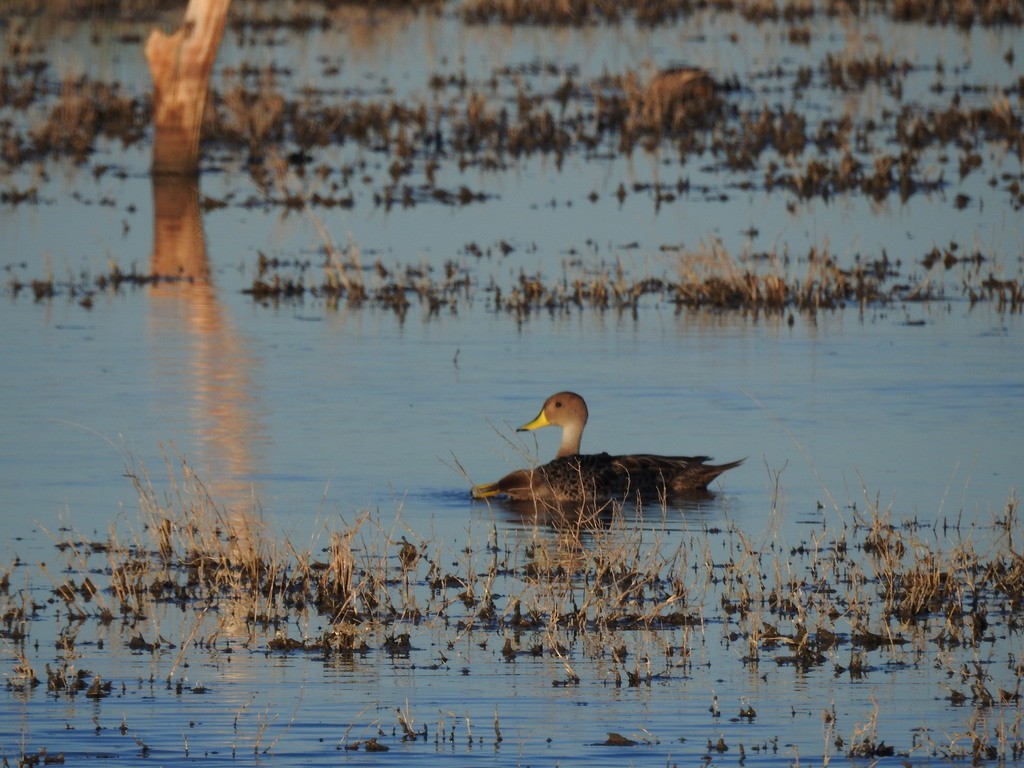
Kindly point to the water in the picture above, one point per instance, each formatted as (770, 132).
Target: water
(309, 416)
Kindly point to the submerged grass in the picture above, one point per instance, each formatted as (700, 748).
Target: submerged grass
(609, 599)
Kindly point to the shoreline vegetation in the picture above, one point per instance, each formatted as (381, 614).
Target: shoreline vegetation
(611, 600)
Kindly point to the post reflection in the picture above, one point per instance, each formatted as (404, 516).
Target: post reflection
(203, 366)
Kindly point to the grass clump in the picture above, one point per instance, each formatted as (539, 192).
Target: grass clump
(614, 598)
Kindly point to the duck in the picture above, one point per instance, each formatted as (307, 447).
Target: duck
(573, 476)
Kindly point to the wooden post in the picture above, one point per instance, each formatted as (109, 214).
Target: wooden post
(180, 65)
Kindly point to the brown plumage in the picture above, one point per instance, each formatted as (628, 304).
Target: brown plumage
(573, 476)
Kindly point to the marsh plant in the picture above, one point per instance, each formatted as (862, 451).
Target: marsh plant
(619, 597)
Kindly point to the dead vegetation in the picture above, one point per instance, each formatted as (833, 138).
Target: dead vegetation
(706, 278)
(399, 153)
(584, 12)
(257, 114)
(601, 598)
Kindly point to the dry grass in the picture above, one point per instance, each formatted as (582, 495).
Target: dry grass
(257, 113)
(707, 277)
(597, 594)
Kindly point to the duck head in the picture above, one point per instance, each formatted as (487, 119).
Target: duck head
(568, 411)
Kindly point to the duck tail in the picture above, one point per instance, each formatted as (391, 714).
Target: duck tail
(711, 471)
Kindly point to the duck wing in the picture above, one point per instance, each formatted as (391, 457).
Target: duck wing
(649, 474)
(579, 476)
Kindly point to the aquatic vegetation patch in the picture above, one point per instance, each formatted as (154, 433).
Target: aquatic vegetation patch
(580, 12)
(400, 147)
(706, 278)
(610, 600)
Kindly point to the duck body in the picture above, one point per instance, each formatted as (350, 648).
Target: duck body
(600, 477)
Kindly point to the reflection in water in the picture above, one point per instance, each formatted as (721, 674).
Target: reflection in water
(682, 512)
(199, 355)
